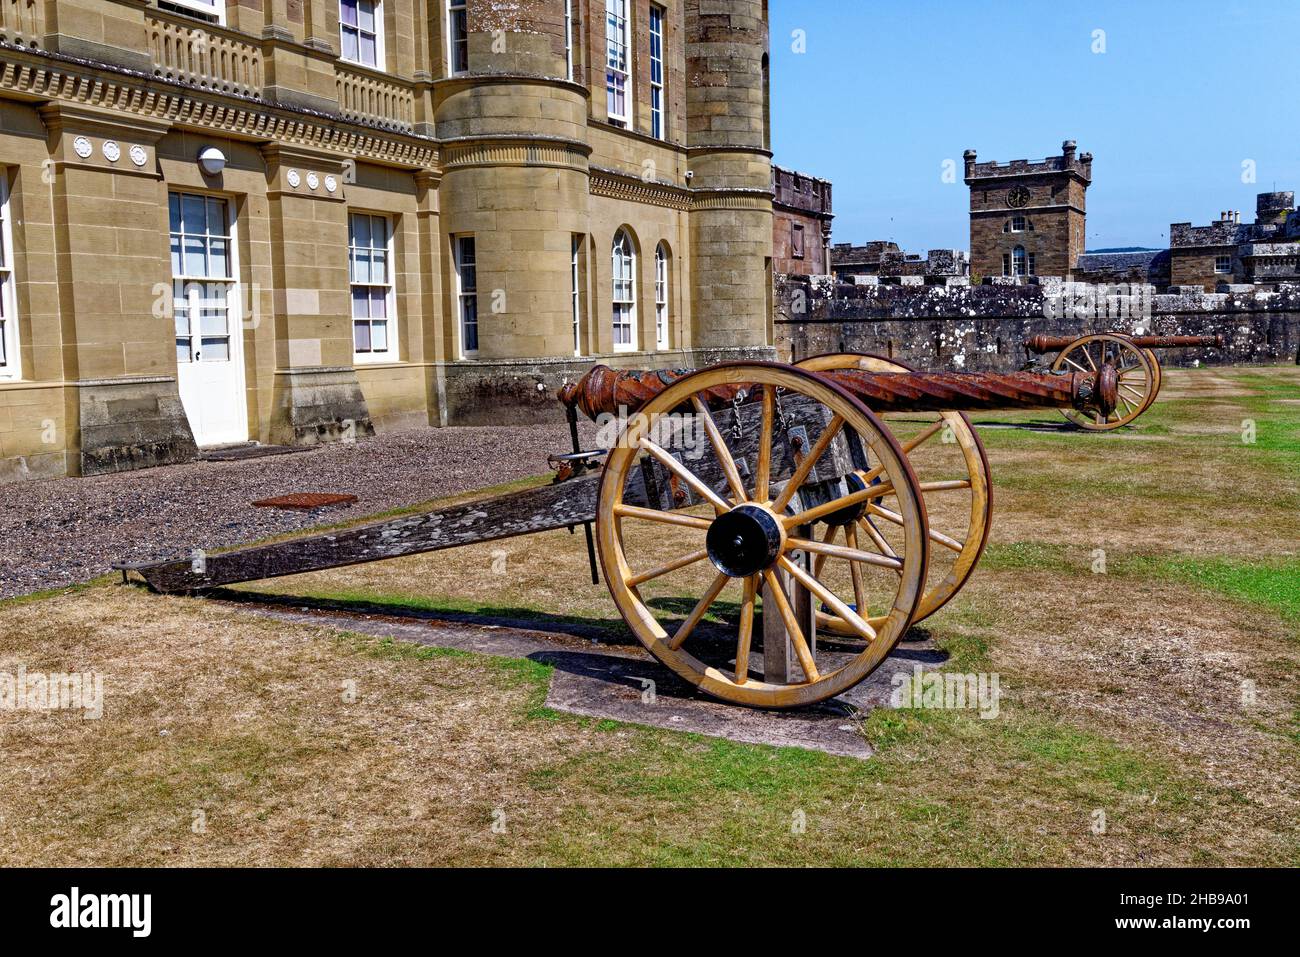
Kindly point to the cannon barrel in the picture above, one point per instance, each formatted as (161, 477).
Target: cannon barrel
(606, 391)
(1041, 343)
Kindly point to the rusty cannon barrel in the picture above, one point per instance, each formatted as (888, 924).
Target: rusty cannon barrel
(1041, 343)
(606, 391)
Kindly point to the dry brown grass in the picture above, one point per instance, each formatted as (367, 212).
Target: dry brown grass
(1122, 693)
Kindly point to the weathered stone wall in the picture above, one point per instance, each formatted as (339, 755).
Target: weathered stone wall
(984, 328)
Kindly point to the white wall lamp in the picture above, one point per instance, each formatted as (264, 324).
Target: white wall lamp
(212, 160)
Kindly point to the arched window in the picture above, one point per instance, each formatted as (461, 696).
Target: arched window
(623, 283)
(1018, 261)
(1017, 224)
(661, 297)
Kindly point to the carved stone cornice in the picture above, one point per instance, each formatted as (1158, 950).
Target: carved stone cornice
(522, 150)
(619, 185)
(41, 77)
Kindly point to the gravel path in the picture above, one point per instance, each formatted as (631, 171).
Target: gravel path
(64, 531)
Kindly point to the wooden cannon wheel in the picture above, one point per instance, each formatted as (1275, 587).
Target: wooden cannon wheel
(740, 538)
(974, 482)
(1138, 378)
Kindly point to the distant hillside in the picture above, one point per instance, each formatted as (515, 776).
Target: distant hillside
(1126, 249)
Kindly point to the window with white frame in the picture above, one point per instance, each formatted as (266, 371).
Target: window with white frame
(1223, 264)
(1006, 264)
(1018, 261)
(568, 39)
(214, 11)
(203, 276)
(361, 32)
(657, 126)
(661, 297)
(370, 272)
(467, 293)
(1031, 268)
(575, 281)
(9, 365)
(457, 36)
(618, 65)
(1017, 224)
(623, 283)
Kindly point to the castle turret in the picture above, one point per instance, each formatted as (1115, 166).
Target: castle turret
(730, 167)
(1027, 217)
(1273, 207)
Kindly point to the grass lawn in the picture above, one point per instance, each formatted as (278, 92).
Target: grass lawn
(1149, 713)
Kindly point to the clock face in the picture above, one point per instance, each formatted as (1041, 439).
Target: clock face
(1018, 197)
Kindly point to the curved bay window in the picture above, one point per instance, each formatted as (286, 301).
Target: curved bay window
(623, 292)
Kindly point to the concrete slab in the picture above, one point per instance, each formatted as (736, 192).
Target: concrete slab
(597, 677)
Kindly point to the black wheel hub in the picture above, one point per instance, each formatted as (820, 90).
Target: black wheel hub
(744, 541)
(850, 513)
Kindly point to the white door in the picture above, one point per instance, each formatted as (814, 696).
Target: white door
(205, 298)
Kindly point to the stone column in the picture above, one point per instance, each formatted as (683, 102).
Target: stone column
(114, 290)
(731, 218)
(317, 398)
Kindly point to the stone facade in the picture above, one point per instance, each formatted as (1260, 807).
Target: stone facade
(1231, 252)
(801, 223)
(984, 328)
(1028, 218)
(881, 261)
(313, 286)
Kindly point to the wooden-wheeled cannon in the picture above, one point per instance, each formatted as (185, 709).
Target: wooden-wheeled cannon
(1135, 363)
(741, 487)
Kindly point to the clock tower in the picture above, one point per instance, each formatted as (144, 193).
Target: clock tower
(1027, 217)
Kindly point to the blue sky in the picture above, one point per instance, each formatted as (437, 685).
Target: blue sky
(1183, 94)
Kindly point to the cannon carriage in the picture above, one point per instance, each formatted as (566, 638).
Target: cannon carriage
(1135, 362)
(763, 530)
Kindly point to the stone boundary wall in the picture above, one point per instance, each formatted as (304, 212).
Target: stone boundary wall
(984, 328)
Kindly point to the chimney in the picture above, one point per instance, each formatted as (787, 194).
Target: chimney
(1067, 151)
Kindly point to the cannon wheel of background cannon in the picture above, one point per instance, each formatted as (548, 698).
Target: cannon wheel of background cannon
(1137, 375)
(903, 576)
(1160, 377)
(977, 483)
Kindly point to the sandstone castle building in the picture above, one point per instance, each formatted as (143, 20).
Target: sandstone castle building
(1028, 218)
(298, 221)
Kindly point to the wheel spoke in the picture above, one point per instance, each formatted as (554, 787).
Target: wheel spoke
(897, 519)
(852, 554)
(1087, 354)
(667, 567)
(764, 470)
(828, 597)
(1135, 392)
(820, 561)
(686, 475)
(1076, 365)
(874, 534)
(746, 630)
(923, 436)
(699, 610)
(853, 498)
(664, 518)
(721, 451)
(791, 624)
(805, 466)
(855, 573)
